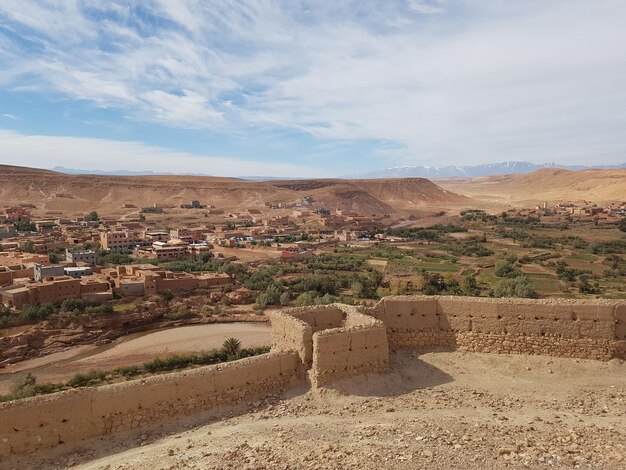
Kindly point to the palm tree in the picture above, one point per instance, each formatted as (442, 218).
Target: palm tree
(232, 347)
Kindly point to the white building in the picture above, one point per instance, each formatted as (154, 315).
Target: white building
(80, 256)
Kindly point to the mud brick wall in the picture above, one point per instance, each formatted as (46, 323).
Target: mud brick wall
(359, 347)
(292, 334)
(293, 329)
(594, 329)
(332, 342)
(75, 415)
(321, 317)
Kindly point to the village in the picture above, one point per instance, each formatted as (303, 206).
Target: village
(49, 260)
(53, 259)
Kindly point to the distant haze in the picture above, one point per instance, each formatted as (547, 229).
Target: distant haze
(74, 171)
(491, 169)
(503, 168)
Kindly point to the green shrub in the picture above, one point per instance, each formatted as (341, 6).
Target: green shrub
(114, 257)
(128, 371)
(103, 308)
(566, 273)
(262, 301)
(586, 287)
(615, 246)
(87, 379)
(473, 249)
(469, 287)
(25, 386)
(79, 306)
(477, 215)
(518, 286)
(36, 312)
(74, 305)
(334, 262)
(180, 313)
(304, 300)
(25, 225)
(505, 268)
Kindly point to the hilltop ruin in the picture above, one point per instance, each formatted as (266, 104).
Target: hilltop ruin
(321, 345)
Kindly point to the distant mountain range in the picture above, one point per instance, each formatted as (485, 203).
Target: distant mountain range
(472, 170)
(74, 171)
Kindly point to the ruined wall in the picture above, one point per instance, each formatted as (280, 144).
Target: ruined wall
(333, 341)
(292, 334)
(593, 329)
(75, 415)
(321, 317)
(360, 346)
(293, 329)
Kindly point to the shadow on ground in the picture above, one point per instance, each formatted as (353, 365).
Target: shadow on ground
(407, 373)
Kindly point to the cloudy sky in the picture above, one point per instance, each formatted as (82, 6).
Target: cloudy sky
(310, 87)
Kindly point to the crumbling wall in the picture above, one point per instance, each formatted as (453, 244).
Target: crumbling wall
(593, 329)
(292, 334)
(332, 342)
(293, 329)
(320, 317)
(413, 322)
(75, 415)
(360, 346)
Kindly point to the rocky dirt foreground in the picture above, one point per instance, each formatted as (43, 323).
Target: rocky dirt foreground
(439, 410)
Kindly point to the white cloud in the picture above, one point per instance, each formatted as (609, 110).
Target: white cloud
(426, 7)
(446, 81)
(189, 107)
(44, 151)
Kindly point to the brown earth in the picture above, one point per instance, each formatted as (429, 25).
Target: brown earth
(21, 344)
(437, 410)
(78, 194)
(550, 185)
(135, 349)
(49, 337)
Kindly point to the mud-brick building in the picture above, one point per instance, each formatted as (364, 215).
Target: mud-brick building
(51, 290)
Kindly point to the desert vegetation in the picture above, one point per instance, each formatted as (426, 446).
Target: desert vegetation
(231, 350)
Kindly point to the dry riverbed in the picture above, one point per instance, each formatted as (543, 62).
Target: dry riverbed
(135, 349)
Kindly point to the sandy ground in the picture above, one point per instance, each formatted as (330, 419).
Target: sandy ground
(439, 410)
(137, 349)
(182, 339)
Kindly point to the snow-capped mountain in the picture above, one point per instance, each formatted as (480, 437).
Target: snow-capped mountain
(470, 171)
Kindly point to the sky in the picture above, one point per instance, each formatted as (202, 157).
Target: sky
(310, 88)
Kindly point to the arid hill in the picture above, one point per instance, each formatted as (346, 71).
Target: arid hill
(50, 190)
(543, 185)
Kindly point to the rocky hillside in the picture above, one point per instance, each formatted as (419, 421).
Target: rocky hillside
(50, 190)
(544, 185)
